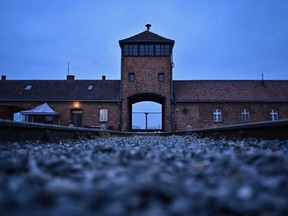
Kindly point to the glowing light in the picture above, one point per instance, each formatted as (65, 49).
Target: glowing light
(76, 104)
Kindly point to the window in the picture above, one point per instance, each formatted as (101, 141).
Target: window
(28, 87)
(273, 114)
(217, 115)
(131, 77)
(167, 50)
(126, 50)
(103, 116)
(245, 115)
(141, 50)
(146, 50)
(90, 88)
(158, 50)
(160, 77)
(130, 50)
(162, 50)
(150, 50)
(135, 50)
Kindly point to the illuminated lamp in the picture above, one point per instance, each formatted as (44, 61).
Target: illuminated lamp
(76, 104)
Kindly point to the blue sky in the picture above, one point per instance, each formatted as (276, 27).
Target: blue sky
(154, 115)
(214, 39)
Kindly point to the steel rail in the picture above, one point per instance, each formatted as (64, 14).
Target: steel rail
(17, 131)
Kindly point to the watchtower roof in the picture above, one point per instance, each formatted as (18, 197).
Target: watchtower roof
(147, 37)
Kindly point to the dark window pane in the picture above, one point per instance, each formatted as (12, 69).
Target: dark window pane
(130, 50)
(151, 50)
(162, 50)
(141, 50)
(146, 49)
(131, 77)
(157, 50)
(167, 50)
(135, 50)
(125, 50)
(161, 77)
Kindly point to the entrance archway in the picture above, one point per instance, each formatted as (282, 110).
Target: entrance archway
(146, 115)
(149, 117)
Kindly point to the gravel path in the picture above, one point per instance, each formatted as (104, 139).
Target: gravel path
(141, 176)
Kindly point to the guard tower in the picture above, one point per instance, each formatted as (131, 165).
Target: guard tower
(146, 75)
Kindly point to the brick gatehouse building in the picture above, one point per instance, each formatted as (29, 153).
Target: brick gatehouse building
(146, 75)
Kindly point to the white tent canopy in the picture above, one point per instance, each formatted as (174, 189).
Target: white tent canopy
(42, 109)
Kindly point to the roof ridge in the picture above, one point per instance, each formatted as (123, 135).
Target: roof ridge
(146, 36)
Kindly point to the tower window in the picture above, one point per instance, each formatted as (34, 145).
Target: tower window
(135, 50)
(151, 50)
(146, 50)
(160, 77)
(167, 50)
(158, 50)
(162, 50)
(125, 50)
(141, 50)
(217, 115)
(131, 77)
(130, 50)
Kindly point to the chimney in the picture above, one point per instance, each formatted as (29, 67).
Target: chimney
(70, 77)
(3, 77)
(103, 77)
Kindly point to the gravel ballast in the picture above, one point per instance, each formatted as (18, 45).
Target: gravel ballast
(144, 175)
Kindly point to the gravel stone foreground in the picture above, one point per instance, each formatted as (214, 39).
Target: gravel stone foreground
(144, 175)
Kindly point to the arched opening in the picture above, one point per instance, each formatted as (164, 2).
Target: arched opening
(146, 112)
(147, 115)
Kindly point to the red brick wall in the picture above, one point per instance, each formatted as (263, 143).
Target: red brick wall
(146, 71)
(200, 115)
(90, 116)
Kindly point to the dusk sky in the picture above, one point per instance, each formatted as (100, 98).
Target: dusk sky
(214, 39)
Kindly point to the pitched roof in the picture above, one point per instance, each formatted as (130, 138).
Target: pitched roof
(231, 91)
(109, 90)
(59, 90)
(146, 36)
(42, 109)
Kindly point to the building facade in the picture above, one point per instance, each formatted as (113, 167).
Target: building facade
(146, 75)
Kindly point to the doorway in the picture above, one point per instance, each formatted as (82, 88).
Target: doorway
(76, 117)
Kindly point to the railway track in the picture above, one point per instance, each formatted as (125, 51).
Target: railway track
(17, 131)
